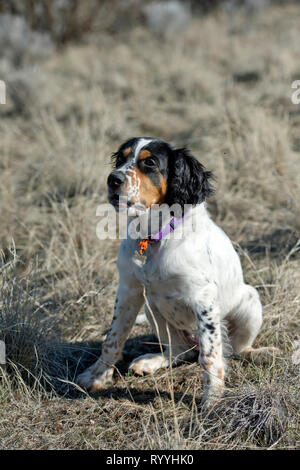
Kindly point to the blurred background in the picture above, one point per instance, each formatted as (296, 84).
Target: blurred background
(81, 77)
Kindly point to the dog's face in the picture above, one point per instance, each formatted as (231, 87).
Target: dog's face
(140, 173)
(149, 171)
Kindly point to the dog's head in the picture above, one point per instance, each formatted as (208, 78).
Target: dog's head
(149, 171)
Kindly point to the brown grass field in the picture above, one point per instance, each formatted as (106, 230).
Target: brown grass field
(223, 88)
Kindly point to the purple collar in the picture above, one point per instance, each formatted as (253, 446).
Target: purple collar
(169, 228)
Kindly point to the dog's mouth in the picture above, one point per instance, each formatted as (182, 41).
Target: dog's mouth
(121, 203)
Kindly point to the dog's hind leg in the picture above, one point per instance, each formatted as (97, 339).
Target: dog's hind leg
(175, 348)
(244, 325)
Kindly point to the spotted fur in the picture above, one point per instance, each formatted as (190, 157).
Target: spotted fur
(190, 285)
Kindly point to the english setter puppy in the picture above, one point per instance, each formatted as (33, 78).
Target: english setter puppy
(191, 280)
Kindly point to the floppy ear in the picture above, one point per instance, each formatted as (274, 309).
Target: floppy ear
(188, 182)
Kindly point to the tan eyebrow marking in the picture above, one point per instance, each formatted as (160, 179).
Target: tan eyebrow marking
(126, 152)
(144, 154)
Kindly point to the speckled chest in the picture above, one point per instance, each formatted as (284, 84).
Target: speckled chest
(165, 291)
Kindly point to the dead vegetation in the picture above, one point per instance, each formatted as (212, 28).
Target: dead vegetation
(223, 89)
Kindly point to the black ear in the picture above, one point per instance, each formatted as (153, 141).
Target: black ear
(188, 182)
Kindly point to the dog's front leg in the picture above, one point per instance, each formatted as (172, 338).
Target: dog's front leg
(211, 351)
(127, 305)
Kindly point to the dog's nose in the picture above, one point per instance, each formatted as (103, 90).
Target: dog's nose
(115, 179)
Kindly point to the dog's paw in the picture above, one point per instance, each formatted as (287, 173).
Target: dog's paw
(141, 319)
(148, 364)
(211, 397)
(260, 356)
(208, 403)
(94, 379)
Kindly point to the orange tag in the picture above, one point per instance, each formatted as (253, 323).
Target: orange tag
(143, 245)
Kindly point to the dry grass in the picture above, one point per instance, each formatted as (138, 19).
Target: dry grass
(223, 88)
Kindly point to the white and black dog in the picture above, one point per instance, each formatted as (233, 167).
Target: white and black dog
(190, 284)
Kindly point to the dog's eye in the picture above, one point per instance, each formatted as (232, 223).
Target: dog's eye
(120, 160)
(151, 162)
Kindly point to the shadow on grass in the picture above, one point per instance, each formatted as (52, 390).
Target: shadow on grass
(278, 243)
(74, 358)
